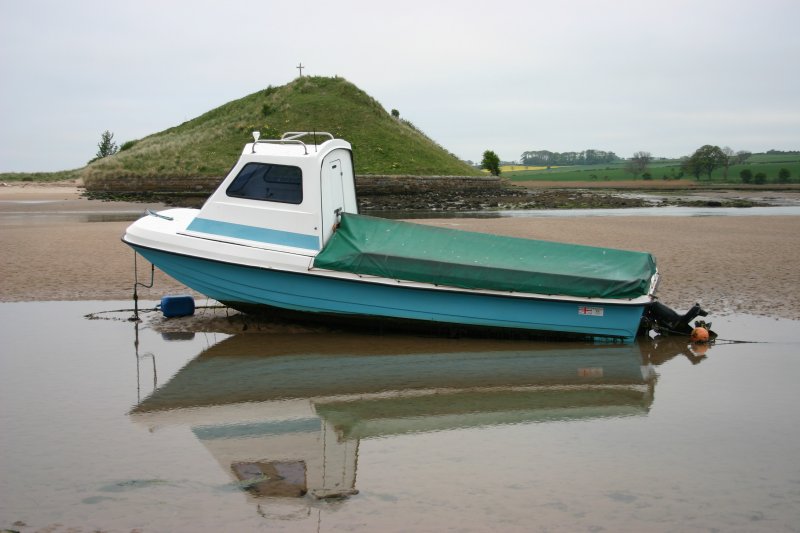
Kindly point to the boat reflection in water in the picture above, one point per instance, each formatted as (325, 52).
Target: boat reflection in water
(283, 414)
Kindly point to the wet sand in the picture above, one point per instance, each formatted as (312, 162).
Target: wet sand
(728, 264)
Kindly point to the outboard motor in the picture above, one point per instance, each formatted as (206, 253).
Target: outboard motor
(664, 321)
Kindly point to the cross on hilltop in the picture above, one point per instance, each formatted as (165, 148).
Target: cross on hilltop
(300, 67)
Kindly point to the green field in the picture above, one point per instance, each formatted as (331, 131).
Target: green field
(769, 164)
(773, 158)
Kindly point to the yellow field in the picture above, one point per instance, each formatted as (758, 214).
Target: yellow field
(515, 168)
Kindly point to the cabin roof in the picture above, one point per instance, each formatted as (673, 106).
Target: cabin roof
(291, 148)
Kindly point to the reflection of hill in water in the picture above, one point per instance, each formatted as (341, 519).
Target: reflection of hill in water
(299, 404)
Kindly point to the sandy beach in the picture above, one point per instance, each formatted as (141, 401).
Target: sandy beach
(59, 246)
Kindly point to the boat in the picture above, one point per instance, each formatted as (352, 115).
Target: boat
(282, 233)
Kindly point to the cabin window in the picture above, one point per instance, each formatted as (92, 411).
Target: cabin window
(273, 183)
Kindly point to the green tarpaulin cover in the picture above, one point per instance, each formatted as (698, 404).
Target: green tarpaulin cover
(415, 252)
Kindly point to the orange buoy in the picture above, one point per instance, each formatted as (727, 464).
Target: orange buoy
(699, 335)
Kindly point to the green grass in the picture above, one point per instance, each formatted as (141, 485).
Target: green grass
(773, 158)
(601, 172)
(63, 175)
(211, 143)
(769, 168)
(670, 169)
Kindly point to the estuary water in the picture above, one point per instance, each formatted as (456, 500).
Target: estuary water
(111, 425)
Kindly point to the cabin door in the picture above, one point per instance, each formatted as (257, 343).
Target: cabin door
(332, 187)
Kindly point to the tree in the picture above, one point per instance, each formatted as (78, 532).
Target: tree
(491, 162)
(747, 175)
(689, 166)
(783, 175)
(106, 146)
(395, 113)
(638, 163)
(704, 160)
(760, 178)
(742, 156)
(730, 157)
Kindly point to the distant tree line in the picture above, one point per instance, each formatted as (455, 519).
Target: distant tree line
(546, 158)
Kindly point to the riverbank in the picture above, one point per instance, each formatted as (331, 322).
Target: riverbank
(729, 264)
(440, 194)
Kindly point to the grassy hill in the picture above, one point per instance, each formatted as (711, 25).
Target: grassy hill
(210, 144)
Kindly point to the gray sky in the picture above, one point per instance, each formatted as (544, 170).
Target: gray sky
(661, 76)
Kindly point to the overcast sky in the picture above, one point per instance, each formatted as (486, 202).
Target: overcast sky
(660, 76)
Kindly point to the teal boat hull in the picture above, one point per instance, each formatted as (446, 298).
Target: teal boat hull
(320, 296)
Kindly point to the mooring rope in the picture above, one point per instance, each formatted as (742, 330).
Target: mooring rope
(95, 315)
(136, 283)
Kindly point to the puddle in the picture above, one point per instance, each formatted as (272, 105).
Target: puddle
(113, 425)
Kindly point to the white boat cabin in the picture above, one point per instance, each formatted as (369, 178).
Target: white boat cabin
(282, 194)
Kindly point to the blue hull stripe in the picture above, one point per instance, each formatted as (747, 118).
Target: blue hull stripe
(253, 233)
(311, 293)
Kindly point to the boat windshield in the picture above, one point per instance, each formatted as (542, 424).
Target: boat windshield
(270, 182)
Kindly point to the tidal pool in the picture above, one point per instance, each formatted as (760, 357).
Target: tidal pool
(118, 426)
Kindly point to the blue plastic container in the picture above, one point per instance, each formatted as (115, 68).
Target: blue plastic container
(173, 306)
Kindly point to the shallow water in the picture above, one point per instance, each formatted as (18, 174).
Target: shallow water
(108, 425)
(27, 212)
